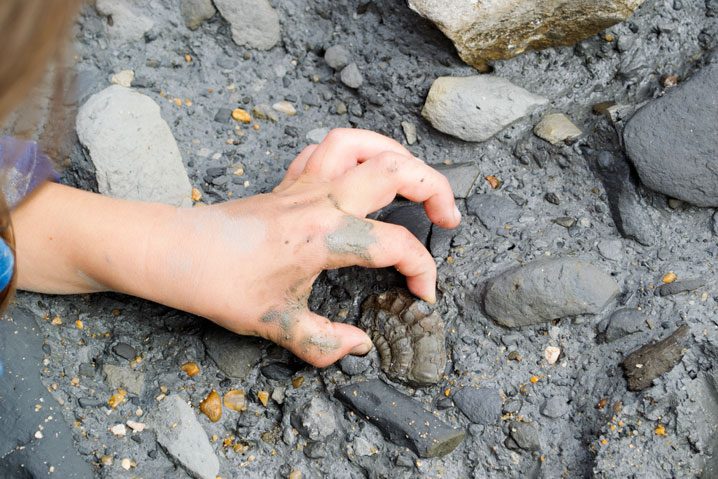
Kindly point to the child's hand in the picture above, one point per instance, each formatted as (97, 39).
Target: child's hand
(253, 261)
(247, 264)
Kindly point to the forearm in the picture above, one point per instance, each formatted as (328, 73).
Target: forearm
(73, 241)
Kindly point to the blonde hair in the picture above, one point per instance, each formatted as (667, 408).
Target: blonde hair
(32, 33)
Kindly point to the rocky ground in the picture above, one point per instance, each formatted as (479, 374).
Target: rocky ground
(539, 378)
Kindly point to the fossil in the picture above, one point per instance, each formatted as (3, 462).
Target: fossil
(409, 336)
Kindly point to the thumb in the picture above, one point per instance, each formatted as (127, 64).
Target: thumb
(321, 342)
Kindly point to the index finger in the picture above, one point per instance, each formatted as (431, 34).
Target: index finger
(344, 148)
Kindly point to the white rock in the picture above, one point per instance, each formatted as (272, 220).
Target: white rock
(500, 29)
(254, 23)
(551, 353)
(132, 147)
(128, 24)
(337, 57)
(123, 78)
(285, 107)
(475, 108)
(119, 430)
(136, 426)
(555, 128)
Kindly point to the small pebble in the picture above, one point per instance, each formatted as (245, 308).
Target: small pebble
(263, 397)
(493, 181)
(235, 400)
(295, 475)
(119, 430)
(551, 353)
(298, 381)
(190, 368)
(126, 464)
(117, 399)
(285, 107)
(136, 426)
(107, 460)
(669, 277)
(241, 116)
(212, 406)
(196, 194)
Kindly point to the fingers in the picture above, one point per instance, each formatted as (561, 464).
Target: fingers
(374, 184)
(344, 148)
(296, 168)
(315, 339)
(375, 244)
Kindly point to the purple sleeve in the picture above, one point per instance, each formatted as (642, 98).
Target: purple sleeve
(23, 168)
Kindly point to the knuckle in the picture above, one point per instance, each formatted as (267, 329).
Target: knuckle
(336, 135)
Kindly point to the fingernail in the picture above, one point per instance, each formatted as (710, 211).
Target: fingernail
(361, 349)
(431, 297)
(457, 213)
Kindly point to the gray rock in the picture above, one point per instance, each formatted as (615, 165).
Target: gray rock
(254, 23)
(697, 418)
(628, 210)
(277, 371)
(316, 450)
(124, 377)
(525, 435)
(195, 12)
(223, 115)
(461, 176)
(440, 240)
(672, 140)
(714, 223)
(353, 365)
(679, 287)
(556, 128)
(409, 132)
(502, 29)
(554, 407)
(128, 24)
(475, 108)
(547, 289)
(314, 419)
(480, 405)
(317, 135)
(641, 367)
(235, 355)
(132, 148)
(611, 249)
(401, 419)
(624, 322)
(179, 432)
(351, 76)
(337, 57)
(493, 210)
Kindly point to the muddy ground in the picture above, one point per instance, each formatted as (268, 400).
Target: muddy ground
(606, 431)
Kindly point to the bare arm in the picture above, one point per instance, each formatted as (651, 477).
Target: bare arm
(247, 264)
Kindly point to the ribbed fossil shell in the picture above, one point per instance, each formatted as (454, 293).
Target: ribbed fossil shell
(409, 336)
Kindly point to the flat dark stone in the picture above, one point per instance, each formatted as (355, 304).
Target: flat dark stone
(480, 405)
(641, 367)
(22, 455)
(679, 287)
(223, 115)
(412, 217)
(401, 419)
(277, 371)
(525, 436)
(125, 351)
(493, 210)
(623, 322)
(461, 176)
(440, 241)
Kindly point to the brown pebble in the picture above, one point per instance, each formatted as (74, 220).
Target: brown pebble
(235, 400)
(295, 475)
(641, 367)
(298, 381)
(212, 406)
(514, 356)
(493, 181)
(618, 407)
(602, 403)
(241, 116)
(669, 277)
(263, 397)
(190, 368)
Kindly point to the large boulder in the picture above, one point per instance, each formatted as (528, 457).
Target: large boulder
(501, 29)
(254, 23)
(547, 289)
(672, 141)
(475, 108)
(132, 147)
